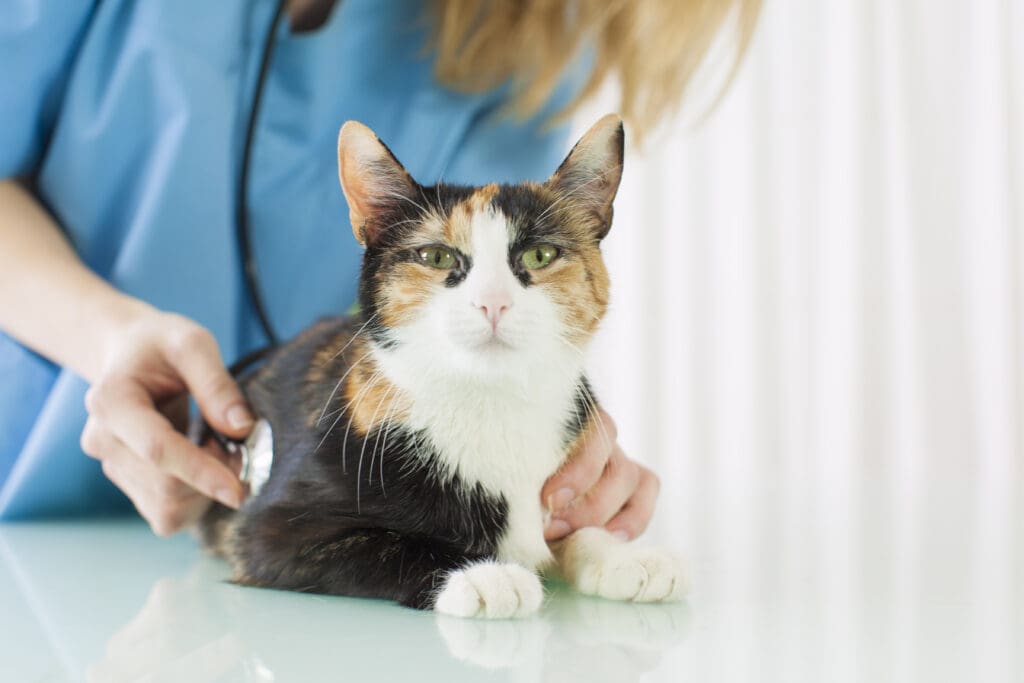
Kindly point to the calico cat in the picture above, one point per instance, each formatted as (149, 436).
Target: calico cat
(411, 441)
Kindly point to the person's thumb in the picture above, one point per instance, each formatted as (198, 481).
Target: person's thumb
(198, 360)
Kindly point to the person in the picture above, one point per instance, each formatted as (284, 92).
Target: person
(123, 129)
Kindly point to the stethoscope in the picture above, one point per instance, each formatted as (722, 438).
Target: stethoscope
(242, 231)
(257, 450)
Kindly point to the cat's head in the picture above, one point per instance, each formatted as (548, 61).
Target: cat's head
(483, 279)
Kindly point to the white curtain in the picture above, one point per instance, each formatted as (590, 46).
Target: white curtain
(817, 340)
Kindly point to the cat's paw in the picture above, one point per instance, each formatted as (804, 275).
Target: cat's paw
(490, 590)
(597, 563)
(631, 573)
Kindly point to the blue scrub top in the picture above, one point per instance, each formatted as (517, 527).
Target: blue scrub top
(130, 116)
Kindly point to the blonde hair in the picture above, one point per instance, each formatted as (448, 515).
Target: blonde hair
(652, 47)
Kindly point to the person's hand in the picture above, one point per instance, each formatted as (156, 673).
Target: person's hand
(600, 486)
(138, 400)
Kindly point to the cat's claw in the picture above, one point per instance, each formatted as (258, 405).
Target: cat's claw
(490, 590)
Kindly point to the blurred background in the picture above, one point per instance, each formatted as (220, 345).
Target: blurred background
(817, 340)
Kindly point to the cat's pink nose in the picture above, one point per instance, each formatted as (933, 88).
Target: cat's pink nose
(494, 304)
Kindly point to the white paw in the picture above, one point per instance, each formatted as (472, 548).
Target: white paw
(491, 591)
(629, 573)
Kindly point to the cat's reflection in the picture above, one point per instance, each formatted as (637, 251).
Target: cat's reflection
(197, 628)
(574, 638)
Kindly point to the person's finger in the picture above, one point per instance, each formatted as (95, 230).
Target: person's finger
(114, 456)
(637, 512)
(584, 468)
(92, 440)
(137, 478)
(128, 411)
(165, 513)
(602, 502)
(167, 503)
(194, 353)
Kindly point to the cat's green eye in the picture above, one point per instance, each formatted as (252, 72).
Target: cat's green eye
(539, 256)
(436, 257)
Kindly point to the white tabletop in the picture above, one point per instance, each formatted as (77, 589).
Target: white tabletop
(107, 601)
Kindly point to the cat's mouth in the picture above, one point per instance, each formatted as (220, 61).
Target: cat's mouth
(495, 343)
(492, 342)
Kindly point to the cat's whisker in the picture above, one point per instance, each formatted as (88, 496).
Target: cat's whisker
(337, 386)
(389, 417)
(590, 402)
(362, 451)
(328, 433)
(437, 190)
(404, 222)
(579, 418)
(340, 351)
(356, 335)
(440, 182)
(591, 413)
(344, 443)
(334, 412)
(396, 195)
(608, 442)
(596, 416)
(352, 410)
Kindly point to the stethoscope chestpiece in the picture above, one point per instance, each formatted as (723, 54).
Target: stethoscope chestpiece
(257, 453)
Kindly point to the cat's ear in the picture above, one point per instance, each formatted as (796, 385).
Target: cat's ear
(589, 177)
(373, 180)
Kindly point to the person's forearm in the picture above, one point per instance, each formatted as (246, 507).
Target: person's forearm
(49, 300)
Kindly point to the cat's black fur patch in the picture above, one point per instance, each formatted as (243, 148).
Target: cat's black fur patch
(584, 403)
(390, 526)
(533, 222)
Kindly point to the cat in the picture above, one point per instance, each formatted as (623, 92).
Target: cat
(411, 440)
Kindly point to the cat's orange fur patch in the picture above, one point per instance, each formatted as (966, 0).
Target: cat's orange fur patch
(483, 196)
(372, 399)
(458, 229)
(413, 286)
(578, 283)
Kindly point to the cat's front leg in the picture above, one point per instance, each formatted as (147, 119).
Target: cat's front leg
(597, 563)
(490, 590)
(412, 569)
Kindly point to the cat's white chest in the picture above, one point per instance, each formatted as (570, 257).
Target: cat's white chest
(504, 432)
(507, 446)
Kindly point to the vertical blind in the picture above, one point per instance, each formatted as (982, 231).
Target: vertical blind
(817, 330)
